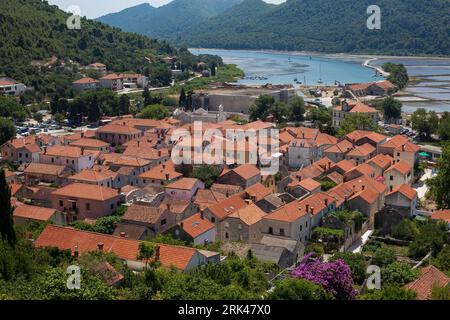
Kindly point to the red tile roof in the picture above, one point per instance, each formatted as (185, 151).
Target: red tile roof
(159, 172)
(402, 166)
(89, 143)
(68, 151)
(247, 171)
(362, 151)
(196, 226)
(227, 206)
(431, 277)
(86, 80)
(408, 147)
(395, 141)
(118, 129)
(405, 190)
(443, 215)
(382, 161)
(86, 191)
(143, 213)
(258, 191)
(183, 184)
(249, 215)
(126, 249)
(308, 184)
(33, 212)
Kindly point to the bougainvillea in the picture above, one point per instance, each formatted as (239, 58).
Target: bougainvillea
(335, 277)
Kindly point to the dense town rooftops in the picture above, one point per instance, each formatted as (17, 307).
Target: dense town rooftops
(257, 191)
(250, 214)
(118, 129)
(41, 168)
(183, 184)
(362, 151)
(401, 166)
(89, 143)
(246, 171)
(143, 213)
(382, 161)
(165, 171)
(69, 152)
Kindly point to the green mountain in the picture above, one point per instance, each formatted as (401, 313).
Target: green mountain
(33, 30)
(408, 27)
(175, 17)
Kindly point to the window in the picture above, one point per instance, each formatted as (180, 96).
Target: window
(112, 206)
(270, 230)
(53, 160)
(239, 226)
(73, 161)
(306, 224)
(281, 232)
(226, 235)
(391, 178)
(213, 220)
(88, 206)
(163, 222)
(20, 154)
(301, 227)
(61, 203)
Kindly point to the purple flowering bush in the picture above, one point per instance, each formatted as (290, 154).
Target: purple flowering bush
(335, 277)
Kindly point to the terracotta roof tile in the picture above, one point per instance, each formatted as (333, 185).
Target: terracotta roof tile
(68, 151)
(249, 215)
(143, 213)
(41, 168)
(183, 184)
(405, 190)
(402, 166)
(68, 238)
(441, 215)
(382, 161)
(86, 191)
(34, 212)
(258, 191)
(227, 206)
(431, 276)
(89, 143)
(362, 151)
(196, 226)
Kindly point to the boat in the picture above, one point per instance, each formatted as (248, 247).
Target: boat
(320, 74)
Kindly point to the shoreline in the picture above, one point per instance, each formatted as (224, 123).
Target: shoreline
(341, 55)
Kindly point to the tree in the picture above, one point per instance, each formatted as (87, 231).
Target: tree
(357, 121)
(440, 293)
(442, 260)
(7, 130)
(58, 117)
(183, 99)
(383, 257)
(147, 97)
(444, 126)
(206, 173)
(94, 112)
(399, 273)
(405, 230)
(432, 238)
(279, 111)
(213, 69)
(426, 123)
(38, 117)
(335, 277)
(440, 184)
(6, 212)
(392, 108)
(146, 252)
(298, 289)
(356, 262)
(297, 109)
(261, 107)
(390, 292)
(155, 111)
(124, 104)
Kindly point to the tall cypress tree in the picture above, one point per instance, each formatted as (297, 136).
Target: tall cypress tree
(6, 213)
(183, 99)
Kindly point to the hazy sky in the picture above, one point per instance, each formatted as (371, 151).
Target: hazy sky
(97, 8)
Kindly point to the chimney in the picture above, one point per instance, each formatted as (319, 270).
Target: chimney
(354, 188)
(75, 250)
(353, 142)
(82, 134)
(167, 176)
(124, 123)
(138, 143)
(100, 246)
(403, 147)
(164, 166)
(168, 206)
(157, 253)
(329, 165)
(307, 208)
(159, 153)
(181, 225)
(122, 234)
(326, 202)
(82, 151)
(202, 215)
(312, 211)
(363, 187)
(227, 194)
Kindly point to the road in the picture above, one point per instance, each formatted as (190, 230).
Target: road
(357, 246)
